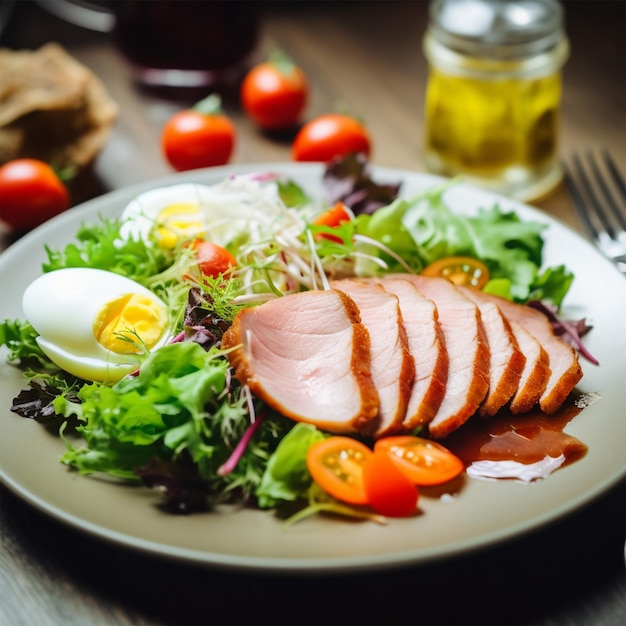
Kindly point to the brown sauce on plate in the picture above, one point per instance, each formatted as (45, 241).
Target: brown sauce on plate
(524, 438)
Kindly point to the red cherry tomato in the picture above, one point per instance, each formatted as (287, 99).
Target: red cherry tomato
(336, 465)
(389, 491)
(332, 218)
(30, 193)
(198, 137)
(461, 270)
(213, 260)
(423, 461)
(274, 93)
(329, 136)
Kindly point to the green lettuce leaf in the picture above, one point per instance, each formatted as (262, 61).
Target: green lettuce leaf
(176, 406)
(100, 246)
(286, 476)
(424, 229)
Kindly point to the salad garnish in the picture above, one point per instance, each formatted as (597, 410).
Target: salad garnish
(181, 422)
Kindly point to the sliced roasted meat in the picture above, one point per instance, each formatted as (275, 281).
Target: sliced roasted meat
(565, 370)
(307, 355)
(468, 353)
(427, 345)
(392, 365)
(506, 359)
(536, 374)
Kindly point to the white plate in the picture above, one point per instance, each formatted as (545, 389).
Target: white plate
(483, 514)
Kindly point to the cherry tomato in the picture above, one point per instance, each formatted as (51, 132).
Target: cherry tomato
(329, 136)
(461, 270)
(336, 465)
(213, 260)
(332, 218)
(274, 93)
(389, 491)
(424, 462)
(198, 137)
(30, 193)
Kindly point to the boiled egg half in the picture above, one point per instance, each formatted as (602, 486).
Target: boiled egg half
(95, 324)
(167, 215)
(223, 213)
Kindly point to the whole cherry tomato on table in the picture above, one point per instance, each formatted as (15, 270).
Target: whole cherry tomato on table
(329, 136)
(198, 137)
(275, 92)
(30, 193)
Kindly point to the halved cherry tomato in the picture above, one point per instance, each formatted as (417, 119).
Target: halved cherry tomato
(198, 137)
(274, 93)
(461, 270)
(329, 136)
(30, 193)
(389, 491)
(423, 461)
(332, 218)
(213, 260)
(336, 465)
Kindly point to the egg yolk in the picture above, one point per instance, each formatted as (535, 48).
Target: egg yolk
(127, 321)
(178, 221)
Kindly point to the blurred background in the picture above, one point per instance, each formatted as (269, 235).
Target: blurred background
(363, 56)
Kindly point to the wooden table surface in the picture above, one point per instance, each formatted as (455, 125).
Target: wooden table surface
(368, 56)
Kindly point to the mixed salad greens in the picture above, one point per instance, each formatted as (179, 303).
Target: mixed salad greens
(181, 422)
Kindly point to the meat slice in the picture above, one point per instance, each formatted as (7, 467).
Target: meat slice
(506, 359)
(392, 366)
(536, 374)
(307, 355)
(468, 353)
(565, 370)
(427, 345)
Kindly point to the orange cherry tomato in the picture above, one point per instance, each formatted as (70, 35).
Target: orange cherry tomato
(30, 193)
(213, 260)
(198, 137)
(274, 93)
(461, 270)
(424, 462)
(329, 136)
(336, 465)
(389, 491)
(332, 218)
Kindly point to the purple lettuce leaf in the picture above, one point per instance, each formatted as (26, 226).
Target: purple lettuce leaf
(184, 490)
(348, 180)
(571, 331)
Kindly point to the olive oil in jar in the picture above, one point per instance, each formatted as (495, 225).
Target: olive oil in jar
(494, 92)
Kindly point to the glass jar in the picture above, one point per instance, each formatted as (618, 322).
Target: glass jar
(494, 93)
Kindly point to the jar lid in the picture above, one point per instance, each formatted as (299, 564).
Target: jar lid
(502, 29)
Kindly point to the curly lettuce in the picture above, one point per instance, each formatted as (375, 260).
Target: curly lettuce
(424, 229)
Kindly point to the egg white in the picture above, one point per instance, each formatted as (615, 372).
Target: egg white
(62, 306)
(140, 216)
(225, 209)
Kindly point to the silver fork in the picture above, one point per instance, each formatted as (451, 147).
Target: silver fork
(598, 192)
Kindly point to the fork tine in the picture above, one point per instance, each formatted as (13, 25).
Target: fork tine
(600, 182)
(600, 192)
(619, 179)
(579, 201)
(593, 195)
(620, 184)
